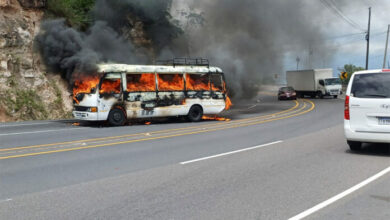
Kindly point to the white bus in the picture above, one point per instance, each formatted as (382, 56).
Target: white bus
(127, 92)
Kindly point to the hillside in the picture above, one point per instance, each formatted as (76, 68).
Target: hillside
(27, 90)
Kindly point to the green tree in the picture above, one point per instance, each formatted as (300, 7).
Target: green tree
(350, 69)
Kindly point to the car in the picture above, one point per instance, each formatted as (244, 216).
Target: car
(287, 93)
(367, 108)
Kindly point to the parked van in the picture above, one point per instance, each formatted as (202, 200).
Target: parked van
(367, 108)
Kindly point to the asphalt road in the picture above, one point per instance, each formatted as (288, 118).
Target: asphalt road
(273, 160)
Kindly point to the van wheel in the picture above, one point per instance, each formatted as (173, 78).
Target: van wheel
(195, 114)
(116, 117)
(355, 145)
(335, 96)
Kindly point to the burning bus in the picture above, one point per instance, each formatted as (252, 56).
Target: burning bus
(178, 87)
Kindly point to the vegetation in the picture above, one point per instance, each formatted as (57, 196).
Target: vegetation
(25, 102)
(76, 12)
(350, 69)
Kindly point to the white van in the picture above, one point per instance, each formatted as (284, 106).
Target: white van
(367, 108)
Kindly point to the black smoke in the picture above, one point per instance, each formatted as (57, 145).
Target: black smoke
(251, 39)
(67, 50)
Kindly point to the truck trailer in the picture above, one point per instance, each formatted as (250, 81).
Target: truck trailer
(314, 83)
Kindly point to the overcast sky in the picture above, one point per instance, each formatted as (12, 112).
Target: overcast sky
(349, 39)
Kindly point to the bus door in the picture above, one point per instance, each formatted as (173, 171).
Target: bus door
(140, 95)
(110, 91)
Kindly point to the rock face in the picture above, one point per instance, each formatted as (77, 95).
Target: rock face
(27, 92)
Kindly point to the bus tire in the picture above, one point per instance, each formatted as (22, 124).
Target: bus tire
(116, 117)
(195, 114)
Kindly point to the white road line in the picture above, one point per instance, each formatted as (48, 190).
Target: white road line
(228, 153)
(34, 132)
(16, 125)
(340, 196)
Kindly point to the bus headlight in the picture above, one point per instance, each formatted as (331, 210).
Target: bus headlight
(93, 109)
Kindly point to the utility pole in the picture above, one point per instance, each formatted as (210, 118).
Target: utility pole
(368, 36)
(387, 44)
(298, 59)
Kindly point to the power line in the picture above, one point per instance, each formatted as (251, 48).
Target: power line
(340, 14)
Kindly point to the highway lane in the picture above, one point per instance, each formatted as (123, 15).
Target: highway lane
(147, 180)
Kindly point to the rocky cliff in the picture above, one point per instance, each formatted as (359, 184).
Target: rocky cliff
(27, 91)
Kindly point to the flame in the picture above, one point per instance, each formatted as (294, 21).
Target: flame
(170, 82)
(141, 83)
(197, 82)
(84, 85)
(228, 103)
(215, 118)
(111, 86)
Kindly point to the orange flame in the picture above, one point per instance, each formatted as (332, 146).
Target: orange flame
(141, 83)
(170, 82)
(111, 86)
(228, 103)
(215, 118)
(197, 82)
(84, 85)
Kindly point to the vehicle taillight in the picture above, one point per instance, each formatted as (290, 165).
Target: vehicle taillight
(346, 108)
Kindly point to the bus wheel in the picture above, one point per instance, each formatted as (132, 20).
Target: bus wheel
(116, 117)
(195, 114)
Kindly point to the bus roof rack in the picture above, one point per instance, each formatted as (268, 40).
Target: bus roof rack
(184, 62)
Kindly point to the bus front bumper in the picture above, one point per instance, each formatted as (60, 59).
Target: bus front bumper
(87, 116)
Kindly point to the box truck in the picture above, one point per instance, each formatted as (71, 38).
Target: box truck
(314, 83)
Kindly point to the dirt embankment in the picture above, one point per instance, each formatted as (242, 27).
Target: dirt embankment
(27, 91)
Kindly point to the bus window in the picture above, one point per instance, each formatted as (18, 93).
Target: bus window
(216, 82)
(145, 82)
(198, 82)
(170, 82)
(110, 86)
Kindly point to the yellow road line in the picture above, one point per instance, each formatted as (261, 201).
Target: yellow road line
(154, 132)
(161, 137)
(96, 142)
(102, 141)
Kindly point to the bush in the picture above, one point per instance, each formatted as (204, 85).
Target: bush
(76, 12)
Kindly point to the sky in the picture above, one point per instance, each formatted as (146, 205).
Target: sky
(348, 40)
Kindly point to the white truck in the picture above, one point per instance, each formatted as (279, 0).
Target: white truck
(314, 83)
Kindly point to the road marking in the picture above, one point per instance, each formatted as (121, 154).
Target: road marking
(229, 153)
(44, 131)
(162, 137)
(16, 125)
(155, 132)
(340, 196)
(6, 200)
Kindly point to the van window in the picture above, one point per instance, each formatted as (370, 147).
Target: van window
(110, 86)
(170, 82)
(373, 85)
(145, 82)
(198, 82)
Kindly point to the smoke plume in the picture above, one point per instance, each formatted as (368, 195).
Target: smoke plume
(109, 39)
(252, 39)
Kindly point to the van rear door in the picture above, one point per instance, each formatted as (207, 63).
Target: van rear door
(370, 103)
